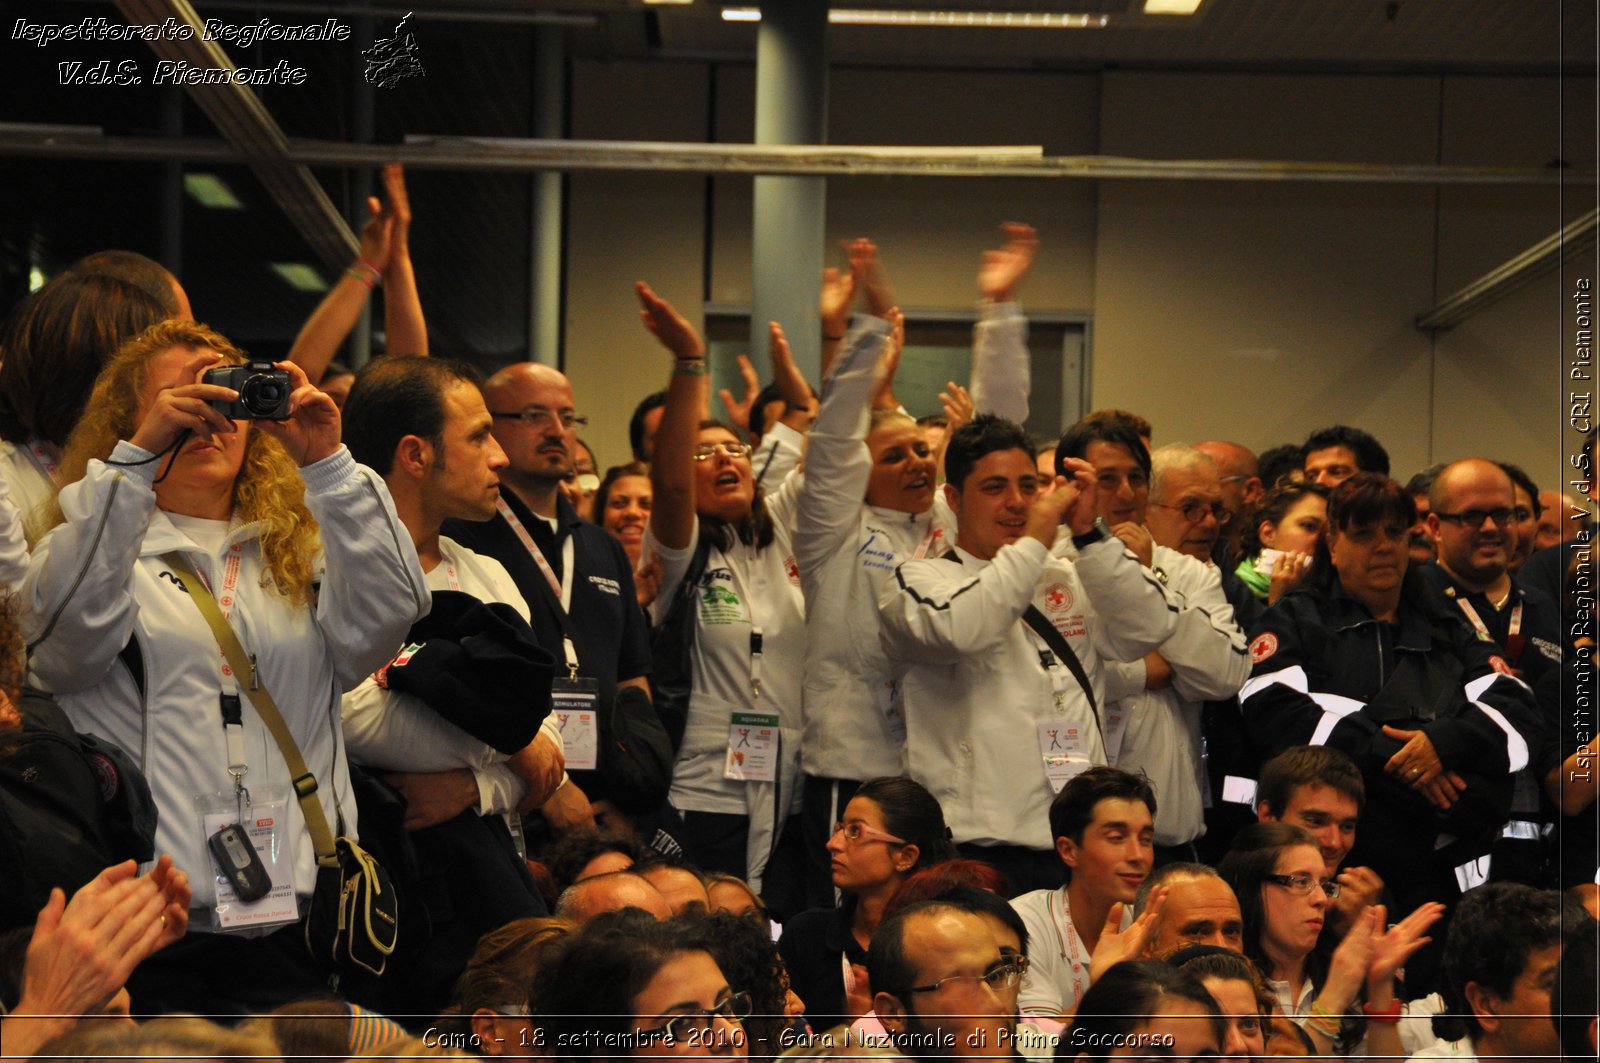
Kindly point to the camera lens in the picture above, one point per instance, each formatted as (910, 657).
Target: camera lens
(263, 395)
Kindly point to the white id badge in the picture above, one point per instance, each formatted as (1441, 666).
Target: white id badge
(1116, 727)
(886, 694)
(752, 748)
(265, 819)
(572, 701)
(1062, 747)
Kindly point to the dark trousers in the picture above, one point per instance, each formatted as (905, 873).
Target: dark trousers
(1025, 869)
(716, 842)
(229, 977)
(821, 806)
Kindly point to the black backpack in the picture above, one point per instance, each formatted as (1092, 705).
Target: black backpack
(70, 806)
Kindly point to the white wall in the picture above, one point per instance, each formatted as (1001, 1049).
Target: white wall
(1250, 311)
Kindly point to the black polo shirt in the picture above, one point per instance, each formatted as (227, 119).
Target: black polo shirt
(610, 633)
(1537, 647)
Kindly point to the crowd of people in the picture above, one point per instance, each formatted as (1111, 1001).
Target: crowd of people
(828, 728)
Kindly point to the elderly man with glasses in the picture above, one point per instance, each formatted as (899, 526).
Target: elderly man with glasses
(1153, 724)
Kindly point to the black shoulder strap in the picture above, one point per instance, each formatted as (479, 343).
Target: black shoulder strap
(1060, 647)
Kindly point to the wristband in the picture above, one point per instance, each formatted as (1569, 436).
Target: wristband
(1388, 1014)
(377, 274)
(362, 277)
(691, 367)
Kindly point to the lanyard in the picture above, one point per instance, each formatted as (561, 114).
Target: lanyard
(932, 536)
(1514, 641)
(756, 592)
(562, 587)
(1069, 940)
(40, 454)
(232, 709)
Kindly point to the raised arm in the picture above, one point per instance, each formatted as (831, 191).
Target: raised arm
(672, 517)
(405, 329)
(838, 293)
(330, 323)
(1000, 364)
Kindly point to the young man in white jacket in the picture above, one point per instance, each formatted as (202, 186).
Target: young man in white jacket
(862, 447)
(997, 718)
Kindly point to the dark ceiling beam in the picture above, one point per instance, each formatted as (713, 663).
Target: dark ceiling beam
(253, 136)
(528, 156)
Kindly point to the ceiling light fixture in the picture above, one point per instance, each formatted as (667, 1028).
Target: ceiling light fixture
(856, 16)
(209, 190)
(300, 277)
(1171, 7)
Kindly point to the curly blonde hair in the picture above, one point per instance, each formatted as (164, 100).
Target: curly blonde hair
(268, 488)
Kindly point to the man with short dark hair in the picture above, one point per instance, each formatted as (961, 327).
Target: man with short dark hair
(1103, 823)
(1320, 788)
(1336, 453)
(1001, 644)
(1501, 954)
(422, 424)
(936, 974)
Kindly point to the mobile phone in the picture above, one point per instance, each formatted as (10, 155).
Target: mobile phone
(238, 859)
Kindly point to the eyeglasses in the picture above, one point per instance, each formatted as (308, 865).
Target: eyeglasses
(539, 417)
(1302, 884)
(692, 1026)
(856, 833)
(707, 451)
(1001, 976)
(1197, 511)
(1474, 518)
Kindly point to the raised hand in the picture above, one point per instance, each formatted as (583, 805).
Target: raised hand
(785, 374)
(1117, 944)
(1002, 270)
(1393, 947)
(838, 292)
(1138, 539)
(958, 406)
(1081, 512)
(668, 326)
(739, 409)
(186, 407)
(377, 235)
(871, 278)
(889, 363)
(394, 190)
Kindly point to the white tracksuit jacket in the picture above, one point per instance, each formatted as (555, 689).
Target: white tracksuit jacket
(98, 580)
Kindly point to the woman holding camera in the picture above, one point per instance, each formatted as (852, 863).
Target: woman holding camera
(316, 576)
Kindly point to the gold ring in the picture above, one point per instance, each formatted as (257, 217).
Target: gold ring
(1416, 771)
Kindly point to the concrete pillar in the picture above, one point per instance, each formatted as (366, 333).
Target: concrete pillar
(791, 108)
(545, 224)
